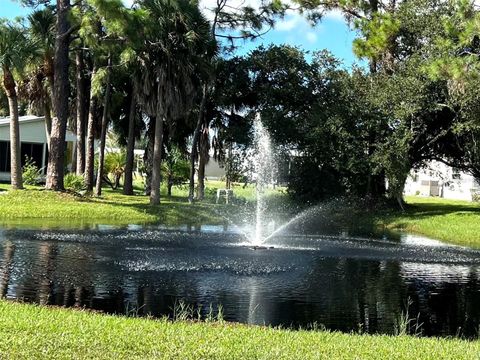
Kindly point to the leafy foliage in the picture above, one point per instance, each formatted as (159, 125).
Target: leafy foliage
(31, 173)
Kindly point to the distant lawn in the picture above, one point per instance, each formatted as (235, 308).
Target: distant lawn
(38, 206)
(449, 220)
(34, 332)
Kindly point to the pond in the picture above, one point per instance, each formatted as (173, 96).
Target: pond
(334, 281)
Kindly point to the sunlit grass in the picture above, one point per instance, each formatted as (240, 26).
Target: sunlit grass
(36, 206)
(111, 208)
(449, 220)
(35, 332)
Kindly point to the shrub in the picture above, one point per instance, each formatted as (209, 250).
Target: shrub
(31, 172)
(476, 196)
(74, 182)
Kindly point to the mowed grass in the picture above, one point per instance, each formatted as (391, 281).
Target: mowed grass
(35, 332)
(448, 220)
(39, 207)
(111, 208)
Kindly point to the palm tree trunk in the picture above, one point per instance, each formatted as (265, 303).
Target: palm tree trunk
(128, 184)
(81, 112)
(196, 136)
(90, 150)
(169, 185)
(148, 156)
(157, 150)
(15, 160)
(103, 135)
(201, 177)
(56, 156)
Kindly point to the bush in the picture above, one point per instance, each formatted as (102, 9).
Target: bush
(31, 172)
(74, 182)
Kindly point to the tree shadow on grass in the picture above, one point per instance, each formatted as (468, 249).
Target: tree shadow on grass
(439, 209)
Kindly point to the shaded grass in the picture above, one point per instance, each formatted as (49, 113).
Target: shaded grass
(34, 332)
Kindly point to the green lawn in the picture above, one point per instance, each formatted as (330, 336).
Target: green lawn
(36, 205)
(452, 221)
(449, 220)
(34, 332)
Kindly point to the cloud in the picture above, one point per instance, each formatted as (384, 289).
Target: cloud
(290, 22)
(336, 15)
(127, 3)
(311, 37)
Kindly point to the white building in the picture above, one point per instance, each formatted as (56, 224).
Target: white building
(438, 179)
(33, 141)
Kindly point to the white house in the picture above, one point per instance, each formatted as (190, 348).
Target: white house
(33, 141)
(438, 179)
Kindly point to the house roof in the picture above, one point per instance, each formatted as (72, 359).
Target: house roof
(22, 119)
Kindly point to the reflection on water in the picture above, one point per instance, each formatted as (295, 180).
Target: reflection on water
(344, 283)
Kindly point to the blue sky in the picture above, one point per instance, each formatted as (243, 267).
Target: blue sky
(332, 33)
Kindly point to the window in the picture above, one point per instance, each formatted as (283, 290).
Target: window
(4, 156)
(32, 151)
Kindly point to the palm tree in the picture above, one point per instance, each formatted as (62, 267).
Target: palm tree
(128, 183)
(42, 30)
(177, 39)
(15, 51)
(56, 155)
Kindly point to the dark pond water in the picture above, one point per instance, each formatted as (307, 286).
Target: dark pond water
(340, 282)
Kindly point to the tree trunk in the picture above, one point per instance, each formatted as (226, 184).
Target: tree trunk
(148, 156)
(169, 185)
(56, 156)
(73, 168)
(157, 150)
(90, 150)
(81, 113)
(128, 183)
(196, 136)
(15, 159)
(103, 135)
(201, 177)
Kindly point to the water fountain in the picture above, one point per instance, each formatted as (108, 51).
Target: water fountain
(264, 169)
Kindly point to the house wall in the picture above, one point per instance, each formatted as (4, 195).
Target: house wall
(213, 171)
(438, 179)
(32, 130)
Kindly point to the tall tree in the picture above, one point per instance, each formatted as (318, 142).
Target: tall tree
(128, 182)
(56, 156)
(231, 22)
(14, 53)
(81, 109)
(103, 134)
(42, 28)
(176, 39)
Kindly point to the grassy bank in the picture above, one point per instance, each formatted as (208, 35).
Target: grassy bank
(452, 221)
(33, 332)
(111, 208)
(449, 220)
(36, 206)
